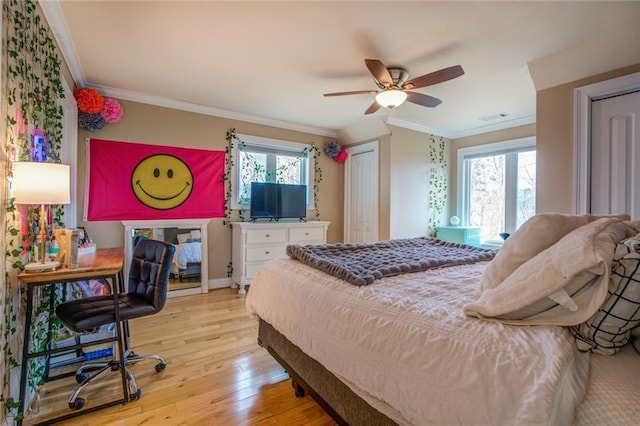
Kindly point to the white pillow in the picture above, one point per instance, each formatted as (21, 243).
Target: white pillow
(182, 238)
(195, 234)
(609, 329)
(563, 285)
(535, 235)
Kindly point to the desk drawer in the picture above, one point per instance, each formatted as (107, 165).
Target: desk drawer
(305, 234)
(265, 252)
(262, 236)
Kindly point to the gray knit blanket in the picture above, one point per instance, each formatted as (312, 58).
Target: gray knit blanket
(361, 264)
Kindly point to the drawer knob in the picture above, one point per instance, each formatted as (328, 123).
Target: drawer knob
(267, 235)
(266, 252)
(306, 233)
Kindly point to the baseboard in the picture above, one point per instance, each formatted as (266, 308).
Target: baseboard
(219, 283)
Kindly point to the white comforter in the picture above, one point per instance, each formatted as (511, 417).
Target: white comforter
(405, 346)
(186, 253)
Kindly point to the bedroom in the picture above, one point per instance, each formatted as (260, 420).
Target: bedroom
(552, 128)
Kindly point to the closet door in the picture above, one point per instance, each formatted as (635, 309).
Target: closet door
(615, 155)
(361, 194)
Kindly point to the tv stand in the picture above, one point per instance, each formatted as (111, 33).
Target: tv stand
(254, 243)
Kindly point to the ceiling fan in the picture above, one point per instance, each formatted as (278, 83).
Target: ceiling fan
(394, 86)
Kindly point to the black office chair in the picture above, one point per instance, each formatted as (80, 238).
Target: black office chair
(146, 295)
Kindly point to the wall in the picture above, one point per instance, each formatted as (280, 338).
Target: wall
(409, 183)
(403, 183)
(555, 142)
(481, 139)
(144, 123)
(384, 175)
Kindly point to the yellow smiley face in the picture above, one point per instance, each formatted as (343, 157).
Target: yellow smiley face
(162, 181)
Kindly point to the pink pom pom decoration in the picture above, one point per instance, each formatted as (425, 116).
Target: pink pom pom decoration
(341, 157)
(111, 111)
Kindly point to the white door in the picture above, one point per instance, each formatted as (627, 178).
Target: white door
(615, 155)
(361, 194)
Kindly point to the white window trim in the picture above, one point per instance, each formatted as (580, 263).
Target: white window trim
(485, 149)
(270, 143)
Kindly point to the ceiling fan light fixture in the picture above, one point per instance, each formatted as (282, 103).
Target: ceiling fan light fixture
(391, 98)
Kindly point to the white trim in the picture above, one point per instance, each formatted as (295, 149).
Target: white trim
(54, 16)
(583, 96)
(463, 172)
(508, 124)
(419, 128)
(217, 283)
(69, 152)
(201, 109)
(359, 149)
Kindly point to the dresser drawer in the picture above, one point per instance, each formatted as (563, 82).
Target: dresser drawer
(265, 236)
(306, 234)
(256, 243)
(251, 269)
(265, 252)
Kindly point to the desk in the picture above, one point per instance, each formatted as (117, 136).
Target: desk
(101, 264)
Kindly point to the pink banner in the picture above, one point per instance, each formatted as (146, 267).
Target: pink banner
(130, 181)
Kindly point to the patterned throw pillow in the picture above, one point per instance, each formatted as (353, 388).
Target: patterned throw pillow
(610, 328)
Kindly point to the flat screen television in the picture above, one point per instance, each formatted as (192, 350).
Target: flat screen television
(278, 201)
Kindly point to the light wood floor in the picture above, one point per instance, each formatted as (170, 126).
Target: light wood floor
(216, 373)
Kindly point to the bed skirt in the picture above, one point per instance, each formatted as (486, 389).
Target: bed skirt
(309, 376)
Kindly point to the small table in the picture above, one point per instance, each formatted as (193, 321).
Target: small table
(460, 234)
(101, 264)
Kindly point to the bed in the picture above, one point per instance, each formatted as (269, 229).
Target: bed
(188, 255)
(421, 347)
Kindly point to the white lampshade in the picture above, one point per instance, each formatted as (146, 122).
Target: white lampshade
(40, 183)
(391, 98)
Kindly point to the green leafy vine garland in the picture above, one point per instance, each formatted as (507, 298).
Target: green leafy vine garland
(437, 181)
(33, 94)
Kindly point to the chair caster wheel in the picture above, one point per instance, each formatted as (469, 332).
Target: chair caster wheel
(135, 395)
(82, 377)
(77, 404)
(160, 367)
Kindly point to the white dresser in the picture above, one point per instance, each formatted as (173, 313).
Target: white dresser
(254, 243)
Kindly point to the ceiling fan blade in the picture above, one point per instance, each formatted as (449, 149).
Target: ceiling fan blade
(379, 71)
(356, 92)
(422, 99)
(434, 77)
(373, 108)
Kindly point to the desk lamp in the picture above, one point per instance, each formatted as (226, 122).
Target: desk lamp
(41, 183)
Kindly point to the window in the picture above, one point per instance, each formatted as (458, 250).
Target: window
(497, 186)
(259, 159)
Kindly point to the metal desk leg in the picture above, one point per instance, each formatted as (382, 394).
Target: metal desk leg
(121, 336)
(24, 367)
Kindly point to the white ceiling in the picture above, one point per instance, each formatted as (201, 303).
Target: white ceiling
(271, 62)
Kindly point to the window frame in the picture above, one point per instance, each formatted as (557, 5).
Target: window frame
(272, 145)
(512, 147)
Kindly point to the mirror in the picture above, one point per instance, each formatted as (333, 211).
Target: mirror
(189, 274)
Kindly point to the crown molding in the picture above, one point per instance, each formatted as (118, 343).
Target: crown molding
(58, 25)
(418, 127)
(462, 133)
(201, 109)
